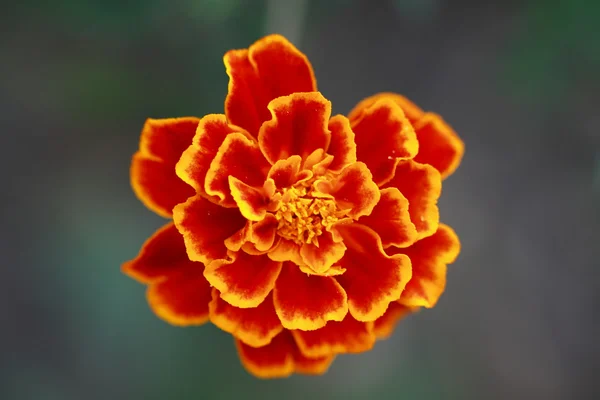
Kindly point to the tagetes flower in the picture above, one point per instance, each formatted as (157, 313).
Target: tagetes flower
(302, 234)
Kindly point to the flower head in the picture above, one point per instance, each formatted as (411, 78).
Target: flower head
(302, 234)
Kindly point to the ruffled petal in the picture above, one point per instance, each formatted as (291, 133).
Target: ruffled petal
(286, 250)
(321, 257)
(307, 302)
(421, 184)
(383, 136)
(299, 126)
(342, 146)
(346, 336)
(285, 173)
(152, 172)
(372, 279)
(391, 220)
(385, 325)
(353, 190)
(182, 299)
(263, 234)
(280, 359)
(271, 68)
(205, 227)
(311, 366)
(239, 157)
(244, 281)
(236, 241)
(251, 201)
(255, 327)
(439, 145)
(429, 257)
(161, 256)
(196, 159)
(411, 110)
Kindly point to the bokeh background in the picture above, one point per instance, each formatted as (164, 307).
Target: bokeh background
(518, 80)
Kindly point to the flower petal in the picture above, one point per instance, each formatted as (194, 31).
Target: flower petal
(244, 281)
(182, 299)
(271, 68)
(286, 250)
(255, 327)
(196, 159)
(411, 110)
(307, 302)
(421, 184)
(385, 325)
(383, 135)
(429, 258)
(299, 126)
(152, 172)
(205, 226)
(391, 220)
(161, 256)
(251, 201)
(439, 145)
(239, 157)
(311, 366)
(353, 190)
(285, 173)
(346, 336)
(264, 233)
(280, 359)
(342, 146)
(372, 279)
(321, 257)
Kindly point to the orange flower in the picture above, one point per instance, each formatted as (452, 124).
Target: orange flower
(302, 234)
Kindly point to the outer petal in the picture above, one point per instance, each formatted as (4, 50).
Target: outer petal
(205, 226)
(439, 145)
(280, 359)
(239, 157)
(346, 336)
(385, 325)
(299, 126)
(372, 279)
(342, 146)
(429, 258)
(411, 110)
(255, 327)
(307, 302)
(195, 161)
(421, 184)
(271, 68)
(161, 256)
(178, 291)
(391, 220)
(152, 172)
(246, 280)
(182, 299)
(353, 190)
(383, 135)
(320, 258)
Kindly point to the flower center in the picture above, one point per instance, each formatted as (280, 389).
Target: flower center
(303, 217)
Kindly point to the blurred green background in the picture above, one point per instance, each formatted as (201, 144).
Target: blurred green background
(519, 82)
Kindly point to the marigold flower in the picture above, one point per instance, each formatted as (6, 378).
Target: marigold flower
(302, 234)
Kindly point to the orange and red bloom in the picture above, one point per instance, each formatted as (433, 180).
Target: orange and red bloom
(304, 235)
